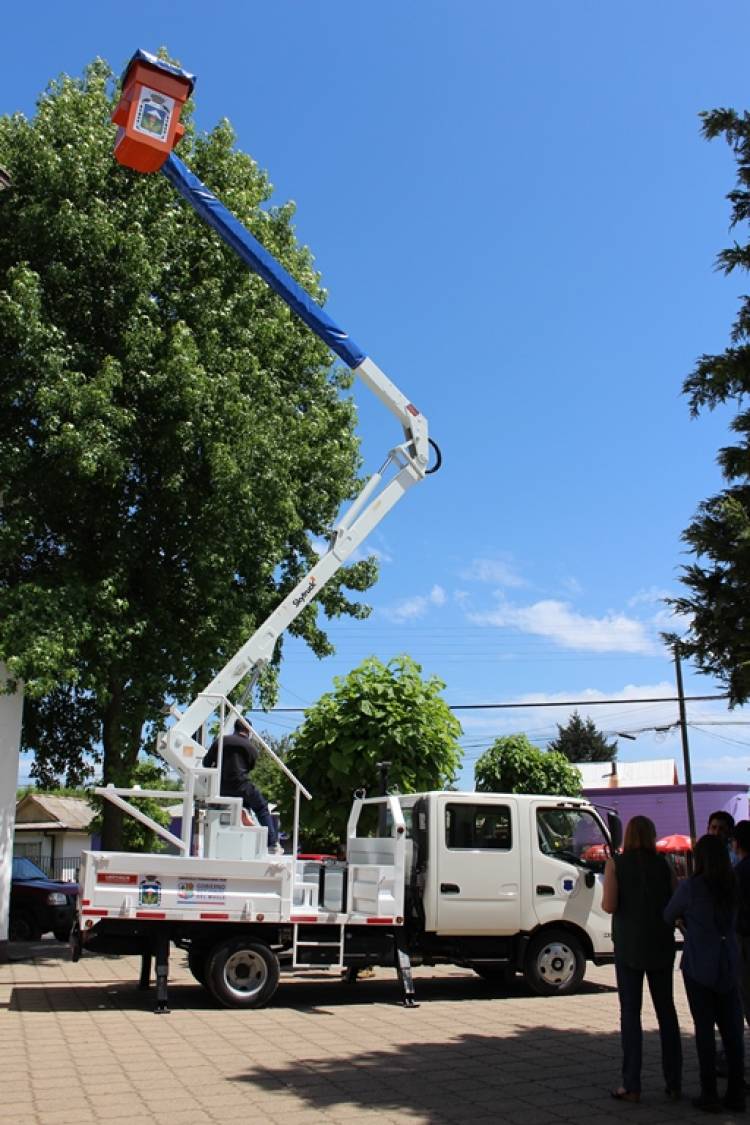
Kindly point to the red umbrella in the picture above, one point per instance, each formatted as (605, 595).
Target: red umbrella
(674, 843)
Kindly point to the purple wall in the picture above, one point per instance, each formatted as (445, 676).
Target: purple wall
(666, 805)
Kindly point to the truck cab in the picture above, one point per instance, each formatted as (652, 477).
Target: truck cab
(508, 882)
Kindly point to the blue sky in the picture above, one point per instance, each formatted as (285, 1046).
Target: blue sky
(515, 215)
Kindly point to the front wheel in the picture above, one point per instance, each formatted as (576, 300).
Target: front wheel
(242, 973)
(23, 927)
(554, 963)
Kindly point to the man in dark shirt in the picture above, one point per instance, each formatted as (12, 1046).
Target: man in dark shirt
(238, 758)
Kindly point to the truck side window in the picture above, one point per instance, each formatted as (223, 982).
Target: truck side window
(478, 826)
(571, 834)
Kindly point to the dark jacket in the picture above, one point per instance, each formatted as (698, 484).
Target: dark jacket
(642, 938)
(742, 873)
(710, 956)
(237, 760)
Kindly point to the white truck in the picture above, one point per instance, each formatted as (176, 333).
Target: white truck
(495, 882)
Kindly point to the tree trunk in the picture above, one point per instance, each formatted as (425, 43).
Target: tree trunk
(121, 743)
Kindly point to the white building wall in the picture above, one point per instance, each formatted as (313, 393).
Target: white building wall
(11, 711)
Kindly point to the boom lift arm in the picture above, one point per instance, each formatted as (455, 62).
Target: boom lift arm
(408, 460)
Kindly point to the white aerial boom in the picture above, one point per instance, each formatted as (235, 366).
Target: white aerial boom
(148, 116)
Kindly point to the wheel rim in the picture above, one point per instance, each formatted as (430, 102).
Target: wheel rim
(245, 973)
(556, 964)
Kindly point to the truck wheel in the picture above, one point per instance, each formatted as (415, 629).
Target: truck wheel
(196, 960)
(22, 927)
(555, 963)
(242, 973)
(62, 934)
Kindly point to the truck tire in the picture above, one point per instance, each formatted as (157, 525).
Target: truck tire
(23, 927)
(196, 960)
(62, 934)
(242, 973)
(554, 963)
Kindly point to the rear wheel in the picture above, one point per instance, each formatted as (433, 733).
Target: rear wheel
(555, 963)
(242, 973)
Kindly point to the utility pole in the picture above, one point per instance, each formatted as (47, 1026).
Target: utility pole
(685, 746)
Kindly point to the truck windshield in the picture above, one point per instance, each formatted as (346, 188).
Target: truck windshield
(575, 835)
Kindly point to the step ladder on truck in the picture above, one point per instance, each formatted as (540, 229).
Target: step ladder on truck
(223, 884)
(499, 883)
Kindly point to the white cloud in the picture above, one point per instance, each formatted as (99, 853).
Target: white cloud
(499, 570)
(614, 632)
(411, 608)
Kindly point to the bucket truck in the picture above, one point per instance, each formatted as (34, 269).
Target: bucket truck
(449, 878)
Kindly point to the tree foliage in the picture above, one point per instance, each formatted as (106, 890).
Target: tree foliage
(172, 438)
(378, 712)
(718, 582)
(514, 765)
(580, 741)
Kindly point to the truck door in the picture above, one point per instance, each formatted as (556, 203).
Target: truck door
(478, 868)
(569, 846)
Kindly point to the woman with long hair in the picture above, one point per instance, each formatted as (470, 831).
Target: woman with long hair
(705, 906)
(637, 886)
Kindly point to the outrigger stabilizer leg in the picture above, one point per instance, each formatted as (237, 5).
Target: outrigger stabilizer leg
(161, 952)
(405, 979)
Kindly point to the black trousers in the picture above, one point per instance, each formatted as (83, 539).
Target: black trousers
(630, 989)
(711, 1009)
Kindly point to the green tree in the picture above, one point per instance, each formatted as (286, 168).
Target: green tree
(172, 438)
(378, 712)
(580, 741)
(718, 582)
(514, 765)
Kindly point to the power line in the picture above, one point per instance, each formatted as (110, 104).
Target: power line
(531, 704)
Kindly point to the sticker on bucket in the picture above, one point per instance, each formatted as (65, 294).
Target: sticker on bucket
(153, 114)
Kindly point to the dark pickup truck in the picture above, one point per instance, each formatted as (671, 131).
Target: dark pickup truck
(39, 904)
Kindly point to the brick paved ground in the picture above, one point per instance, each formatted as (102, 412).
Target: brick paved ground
(79, 1043)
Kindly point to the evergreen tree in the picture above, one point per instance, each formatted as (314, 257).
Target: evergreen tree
(580, 741)
(718, 582)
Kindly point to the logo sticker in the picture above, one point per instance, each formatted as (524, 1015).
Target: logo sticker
(153, 114)
(304, 594)
(149, 891)
(197, 892)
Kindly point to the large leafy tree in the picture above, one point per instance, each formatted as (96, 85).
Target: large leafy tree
(718, 582)
(172, 438)
(377, 713)
(580, 741)
(513, 764)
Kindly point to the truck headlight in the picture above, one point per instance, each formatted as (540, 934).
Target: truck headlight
(56, 898)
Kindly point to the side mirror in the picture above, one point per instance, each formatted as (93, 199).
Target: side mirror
(589, 879)
(615, 830)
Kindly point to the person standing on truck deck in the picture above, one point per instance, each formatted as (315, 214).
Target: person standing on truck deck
(637, 886)
(238, 759)
(706, 906)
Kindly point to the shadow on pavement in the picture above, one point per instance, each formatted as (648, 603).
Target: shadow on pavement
(301, 992)
(527, 1076)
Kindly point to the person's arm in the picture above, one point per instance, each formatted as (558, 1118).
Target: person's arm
(675, 908)
(610, 892)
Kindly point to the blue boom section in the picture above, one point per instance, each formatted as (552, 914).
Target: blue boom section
(258, 259)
